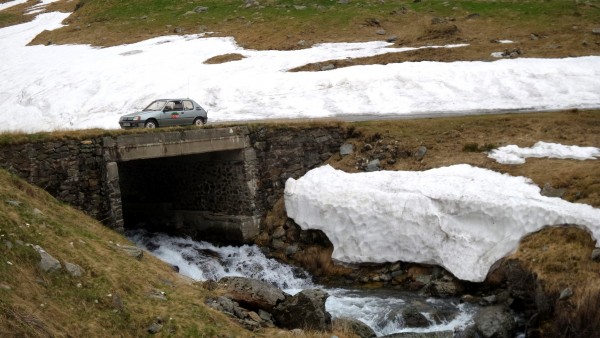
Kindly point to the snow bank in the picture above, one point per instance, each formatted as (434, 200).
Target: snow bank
(78, 86)
(10, 4)
(460, 217)
(513, 154)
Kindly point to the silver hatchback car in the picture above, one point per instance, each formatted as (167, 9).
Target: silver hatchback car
(166, 113)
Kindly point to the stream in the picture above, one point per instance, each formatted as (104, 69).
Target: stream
(381, 309)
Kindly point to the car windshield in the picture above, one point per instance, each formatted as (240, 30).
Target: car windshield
(156, 105)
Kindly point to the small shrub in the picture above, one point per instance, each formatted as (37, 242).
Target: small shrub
(471, 148)
(488, 147)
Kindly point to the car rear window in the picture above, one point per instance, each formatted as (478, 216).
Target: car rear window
(188, 105)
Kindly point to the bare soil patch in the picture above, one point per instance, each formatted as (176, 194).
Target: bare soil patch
(224, 58)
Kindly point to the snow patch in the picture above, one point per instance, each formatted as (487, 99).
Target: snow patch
(513, 154)
(460, 217)
(11, 4)
(79, 86)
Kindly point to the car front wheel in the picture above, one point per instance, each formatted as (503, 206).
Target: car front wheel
(151, 124)
(199, 122)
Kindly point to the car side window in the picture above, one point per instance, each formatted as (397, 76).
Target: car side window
(178, 105)
(169, 106)
(188, 105)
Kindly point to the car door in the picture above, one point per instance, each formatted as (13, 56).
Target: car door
(188, 115)
(171, 114)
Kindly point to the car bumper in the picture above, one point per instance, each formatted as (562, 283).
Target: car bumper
(131, 124)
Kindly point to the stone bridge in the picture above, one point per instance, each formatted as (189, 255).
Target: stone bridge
(209, 183)
(200, 183)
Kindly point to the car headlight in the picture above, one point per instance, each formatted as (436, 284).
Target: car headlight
(137, 118)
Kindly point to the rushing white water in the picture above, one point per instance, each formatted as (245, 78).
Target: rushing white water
(380, 309)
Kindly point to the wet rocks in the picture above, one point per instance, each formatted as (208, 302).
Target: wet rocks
(252, 293)
(258, 304)
(355, 326)
(247, 318)
(413, 318)
(495, 322)
(305, 310)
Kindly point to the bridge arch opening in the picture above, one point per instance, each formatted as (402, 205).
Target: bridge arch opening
(202, 188)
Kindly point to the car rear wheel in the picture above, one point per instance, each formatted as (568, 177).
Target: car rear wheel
(199, 122)
(151, 124)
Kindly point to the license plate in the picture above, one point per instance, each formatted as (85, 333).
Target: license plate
(126, 124)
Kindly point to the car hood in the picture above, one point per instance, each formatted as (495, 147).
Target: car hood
(140, 113)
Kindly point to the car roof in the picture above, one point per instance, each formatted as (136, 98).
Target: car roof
(174, 99)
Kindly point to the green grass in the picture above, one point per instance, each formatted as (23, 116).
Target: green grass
(322, 13)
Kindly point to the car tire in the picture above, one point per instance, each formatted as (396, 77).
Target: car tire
(150, 124)
(199, 122)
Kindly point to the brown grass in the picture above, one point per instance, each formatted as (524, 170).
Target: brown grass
(317, 260)
(579, 317)
(560, 256)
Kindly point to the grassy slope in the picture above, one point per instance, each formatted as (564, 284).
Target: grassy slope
(112, 298)
(55, 304)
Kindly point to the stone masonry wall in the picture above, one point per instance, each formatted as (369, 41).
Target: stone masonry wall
(291, 152)
(70, 170)
(76, 171)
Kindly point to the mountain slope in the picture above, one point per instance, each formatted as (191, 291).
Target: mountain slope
(117, 294)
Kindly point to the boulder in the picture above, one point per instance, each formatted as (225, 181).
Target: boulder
(74, 269)
(131, 250)
(373, 166)
(413, 318)
(420, 153)
(47, 262)
(355, 326)
(346, 149)
(495, 322)
(305, 310)
(252, 293)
